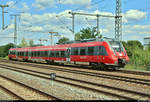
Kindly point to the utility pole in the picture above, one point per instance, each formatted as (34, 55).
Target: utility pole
(73, 24)
(118, 21)
(15, 28)
(3, 24)
(51, 36)
(97, 24)
(97, 15)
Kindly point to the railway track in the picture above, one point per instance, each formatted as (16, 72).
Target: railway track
(8, 91)
(117, 92)
(21, 95)
(134, 72)
(101, 75)
(86, 67)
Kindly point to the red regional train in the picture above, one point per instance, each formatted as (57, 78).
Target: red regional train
(102, 53)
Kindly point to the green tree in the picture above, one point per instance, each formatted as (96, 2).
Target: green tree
(7, 47)
(4, 49)
(87, 33)
(125, 44)
(62, 40)
(31, 43)
(135, 43)
(148, 47)
(23, 43)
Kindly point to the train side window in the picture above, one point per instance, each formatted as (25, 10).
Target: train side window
(52, 54)
(34, 53)
(49, 53)
(90, 50)
(72, 51)
(41, 53)
(57, 53)
(62, 53)
(96, 50)
(37, 54)
(102, 51)
(25, 53)
(75, 51)
(82, 51)
(45, 54)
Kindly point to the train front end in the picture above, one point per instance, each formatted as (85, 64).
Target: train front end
(119, 55)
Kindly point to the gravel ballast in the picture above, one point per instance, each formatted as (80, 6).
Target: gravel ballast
(62, 91)
(99, 80)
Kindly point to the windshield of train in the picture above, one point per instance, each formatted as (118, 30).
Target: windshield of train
(116, 45)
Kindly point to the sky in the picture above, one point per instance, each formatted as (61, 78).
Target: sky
(38, 17)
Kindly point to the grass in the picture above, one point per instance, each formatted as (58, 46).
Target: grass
(4, 57)
(136, 67)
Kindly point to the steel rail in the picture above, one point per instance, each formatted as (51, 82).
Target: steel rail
(12, 93)
(129, 91)
(43, 93)
(115, 77)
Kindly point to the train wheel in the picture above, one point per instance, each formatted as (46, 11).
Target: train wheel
(94, 65)
(102, 66)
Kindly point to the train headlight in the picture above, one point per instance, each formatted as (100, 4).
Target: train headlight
(120, 54)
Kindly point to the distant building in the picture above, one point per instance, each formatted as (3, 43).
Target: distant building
(146, 42)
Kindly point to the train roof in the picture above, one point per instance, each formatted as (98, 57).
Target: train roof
(64, 46)
(89, 40)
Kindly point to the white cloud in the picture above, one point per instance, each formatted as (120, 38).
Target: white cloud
(42, 4)
(48, 22)
(12, 5)
(135, 15)
(25, 7)
(85, 3)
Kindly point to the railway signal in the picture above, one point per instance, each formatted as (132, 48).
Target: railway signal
(52, 76)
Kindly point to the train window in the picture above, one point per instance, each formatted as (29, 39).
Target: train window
(46, 53)
(90, 50)
(83, 51)
(52, 54)
(62, 53)
(102, 51)
(26, 53)
(41, 53)
(37, 54)
(75, 51)
(33, 53)
(57, 53)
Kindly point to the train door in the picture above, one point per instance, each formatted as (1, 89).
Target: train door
(29, 55)
(16, 53)
(68, 53)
